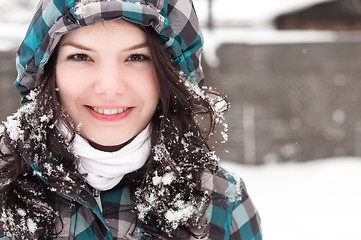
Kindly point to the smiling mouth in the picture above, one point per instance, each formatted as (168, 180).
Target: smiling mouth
(106, 111)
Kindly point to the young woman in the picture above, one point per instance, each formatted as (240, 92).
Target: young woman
(111, 141)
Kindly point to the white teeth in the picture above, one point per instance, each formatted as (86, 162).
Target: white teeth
(98, 110)
(109, 111)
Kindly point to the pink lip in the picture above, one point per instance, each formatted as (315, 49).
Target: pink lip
(109, 118)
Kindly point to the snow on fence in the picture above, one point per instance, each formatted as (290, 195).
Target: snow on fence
(290, 102)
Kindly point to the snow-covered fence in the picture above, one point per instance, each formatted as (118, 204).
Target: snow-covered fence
(290, 101)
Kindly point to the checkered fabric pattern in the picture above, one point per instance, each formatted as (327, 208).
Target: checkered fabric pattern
(231, 213)
(174, 20)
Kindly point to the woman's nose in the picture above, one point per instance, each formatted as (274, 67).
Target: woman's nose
(110, 80)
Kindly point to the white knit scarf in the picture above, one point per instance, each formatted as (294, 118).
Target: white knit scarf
(106, 169)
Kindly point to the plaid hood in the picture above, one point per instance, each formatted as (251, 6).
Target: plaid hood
(174, 20)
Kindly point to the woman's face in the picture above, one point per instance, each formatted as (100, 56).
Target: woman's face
(107, 82)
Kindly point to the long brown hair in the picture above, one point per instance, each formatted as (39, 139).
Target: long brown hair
(35, 163)
(180, 147)
(39, 163)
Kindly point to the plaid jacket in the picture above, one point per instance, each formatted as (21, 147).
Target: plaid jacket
(174, 20)
(231, 215)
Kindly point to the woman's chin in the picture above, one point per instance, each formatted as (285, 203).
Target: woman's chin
(108, 147)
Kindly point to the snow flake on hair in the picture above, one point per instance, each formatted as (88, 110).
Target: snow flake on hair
(28, 133)
(161, 153)
(180, 212)
(178, 163)
(23, 223)
(14, 124)
(28, 130)
(166, 179)
(218, 104)
(160, 199)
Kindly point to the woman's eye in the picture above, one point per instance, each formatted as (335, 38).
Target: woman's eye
(79, 57)
(138, 58)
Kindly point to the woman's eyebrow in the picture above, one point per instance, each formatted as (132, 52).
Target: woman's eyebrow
(137, 46)
(76, 45)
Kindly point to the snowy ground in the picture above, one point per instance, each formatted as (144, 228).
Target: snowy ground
(306, 201)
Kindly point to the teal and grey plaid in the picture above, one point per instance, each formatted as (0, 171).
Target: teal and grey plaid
(232, 216)
(174, 20)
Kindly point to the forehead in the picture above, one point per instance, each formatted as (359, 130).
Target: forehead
(119, 31)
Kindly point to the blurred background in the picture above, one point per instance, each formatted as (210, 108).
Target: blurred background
(291, 70)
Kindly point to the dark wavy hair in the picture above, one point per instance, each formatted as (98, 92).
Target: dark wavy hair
(179, 147)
